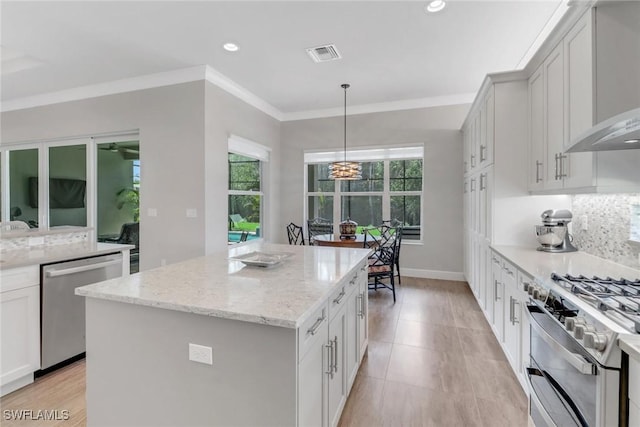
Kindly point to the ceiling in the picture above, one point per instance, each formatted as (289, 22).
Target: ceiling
(392, 50)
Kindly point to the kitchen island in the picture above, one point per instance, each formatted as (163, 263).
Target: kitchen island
(272, 346)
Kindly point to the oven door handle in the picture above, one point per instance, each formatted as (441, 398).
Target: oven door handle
(535, 400)
(577, 361)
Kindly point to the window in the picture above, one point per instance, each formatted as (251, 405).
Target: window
(246, 192)
(390, 188)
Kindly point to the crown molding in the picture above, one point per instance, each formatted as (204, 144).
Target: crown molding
(208, 73)
(225, 83)
(407, 104)
(166, 78)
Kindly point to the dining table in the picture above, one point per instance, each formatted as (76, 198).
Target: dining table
(336, 241)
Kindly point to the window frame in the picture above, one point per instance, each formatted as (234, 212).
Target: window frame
(386, 193)
(253, 150)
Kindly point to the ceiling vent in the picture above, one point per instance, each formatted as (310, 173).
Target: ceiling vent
(324, 53)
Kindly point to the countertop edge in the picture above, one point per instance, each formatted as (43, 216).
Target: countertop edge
(222, 314)
(630, 344)
(101, 249)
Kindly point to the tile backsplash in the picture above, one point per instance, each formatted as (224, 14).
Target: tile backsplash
(613, 220)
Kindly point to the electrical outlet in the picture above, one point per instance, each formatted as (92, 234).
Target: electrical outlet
(584, 223)
(152, 212)
(192, 213)
(201, 354)
(163, 262)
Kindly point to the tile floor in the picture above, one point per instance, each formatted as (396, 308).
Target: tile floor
(433, 361)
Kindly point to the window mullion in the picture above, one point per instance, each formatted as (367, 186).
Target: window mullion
(386, 197)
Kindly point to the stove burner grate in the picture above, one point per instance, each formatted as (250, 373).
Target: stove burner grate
(619, 295)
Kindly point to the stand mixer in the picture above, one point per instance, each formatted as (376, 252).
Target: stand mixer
(553, 234)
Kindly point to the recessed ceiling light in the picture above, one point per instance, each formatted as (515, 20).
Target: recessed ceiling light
(230, 47)
(435, 6)
(632, 141)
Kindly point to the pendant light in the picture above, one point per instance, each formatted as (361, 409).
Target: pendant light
(345, 170)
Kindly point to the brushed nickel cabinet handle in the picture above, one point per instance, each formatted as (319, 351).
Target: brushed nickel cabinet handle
(538, 164)
(313, 329)
(339, 297)
(473, 162)
(555, 156)
(483, 185)
(561, 158)
(515, 319)
(495, 289)
(330, 359)
(483, 149)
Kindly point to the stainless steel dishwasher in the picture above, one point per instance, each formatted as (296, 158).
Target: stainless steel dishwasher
(63, 312)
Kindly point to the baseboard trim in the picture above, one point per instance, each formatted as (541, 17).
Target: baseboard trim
(433, 274)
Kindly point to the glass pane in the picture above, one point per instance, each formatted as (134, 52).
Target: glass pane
(406, 209)
(68, 185)
(321, 207)
(23, 181)
(244, 173)
(372, 179)
(318, 179)
(365, 210)
(244, 216)
(405, 175)
(118, 187)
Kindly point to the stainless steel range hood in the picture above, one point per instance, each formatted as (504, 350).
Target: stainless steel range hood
(621, 132)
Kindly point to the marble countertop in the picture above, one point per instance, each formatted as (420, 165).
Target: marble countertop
(55, 253)
(36, 232)
(630, 344)
(214, 285)
(540, 265)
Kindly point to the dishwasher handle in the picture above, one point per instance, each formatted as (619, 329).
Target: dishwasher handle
(80, 269)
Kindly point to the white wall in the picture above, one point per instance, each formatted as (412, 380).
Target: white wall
(438, 128)
(226, 115)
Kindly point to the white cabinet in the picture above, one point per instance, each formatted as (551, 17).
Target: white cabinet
(511, 315)
(331, 346)
(554, 115)
(337, 379)
(20, 320)
(537, 155)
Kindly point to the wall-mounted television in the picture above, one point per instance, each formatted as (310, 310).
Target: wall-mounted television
(64, 193)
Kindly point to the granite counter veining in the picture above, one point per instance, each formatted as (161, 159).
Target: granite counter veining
(540, 265)
(284, 295)
(47, 254)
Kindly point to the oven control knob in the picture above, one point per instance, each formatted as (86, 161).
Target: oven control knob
(526, 286)
(581, 330)
(571, 322)
(531, 289)
(595, 340)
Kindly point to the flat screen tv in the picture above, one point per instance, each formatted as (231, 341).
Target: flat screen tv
(64, 193)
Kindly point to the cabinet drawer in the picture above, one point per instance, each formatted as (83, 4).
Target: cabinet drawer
(634, 379)
(338, 298)
(20, 277)
(315, 327)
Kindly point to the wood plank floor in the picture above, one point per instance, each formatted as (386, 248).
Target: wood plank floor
(432, 361)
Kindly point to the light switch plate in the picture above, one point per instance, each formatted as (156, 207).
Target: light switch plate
(152, 212)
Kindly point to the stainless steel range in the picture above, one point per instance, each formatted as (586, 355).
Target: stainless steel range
(577, 375)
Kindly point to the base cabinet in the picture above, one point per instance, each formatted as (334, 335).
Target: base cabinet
(20, 329)
(331, 355)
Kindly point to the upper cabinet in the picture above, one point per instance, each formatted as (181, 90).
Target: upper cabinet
(572, 90)
(479, 134)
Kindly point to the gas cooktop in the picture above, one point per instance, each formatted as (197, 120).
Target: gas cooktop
(618, 299)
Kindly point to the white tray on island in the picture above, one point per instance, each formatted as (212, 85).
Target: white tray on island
(262, 259)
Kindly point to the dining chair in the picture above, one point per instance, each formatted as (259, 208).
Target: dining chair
(295, 234)
(399, 232)
(318, 226)
(382, 259)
